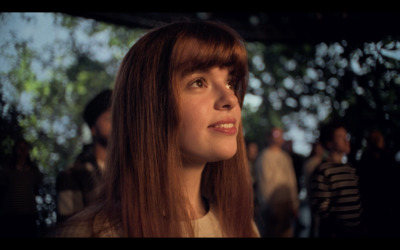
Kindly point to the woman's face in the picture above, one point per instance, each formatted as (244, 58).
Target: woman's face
(210, 115)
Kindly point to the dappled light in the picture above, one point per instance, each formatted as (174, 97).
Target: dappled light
(330, 80)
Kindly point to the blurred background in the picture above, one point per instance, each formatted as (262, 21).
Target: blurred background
(305, 68)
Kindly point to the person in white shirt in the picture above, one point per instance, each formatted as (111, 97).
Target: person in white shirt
(277, 194)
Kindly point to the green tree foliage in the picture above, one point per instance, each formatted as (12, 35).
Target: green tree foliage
(46, 109)
(306, 84)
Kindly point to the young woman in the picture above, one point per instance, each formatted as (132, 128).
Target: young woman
(176, 161)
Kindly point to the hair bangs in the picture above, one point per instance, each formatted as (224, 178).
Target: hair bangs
(206, 47)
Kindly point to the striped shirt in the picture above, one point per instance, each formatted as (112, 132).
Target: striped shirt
(335, 199)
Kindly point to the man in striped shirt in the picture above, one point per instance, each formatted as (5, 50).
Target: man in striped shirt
(335, 196)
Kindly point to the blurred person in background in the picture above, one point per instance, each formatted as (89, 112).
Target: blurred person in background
(277, 187)
(335, 191)
(315, 157)
(79, 184)
(19, 185)
(252, 154)
(377, 185)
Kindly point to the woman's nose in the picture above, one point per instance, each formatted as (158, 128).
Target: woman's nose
(226, 98)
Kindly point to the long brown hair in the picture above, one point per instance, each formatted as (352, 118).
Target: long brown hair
(143, 188)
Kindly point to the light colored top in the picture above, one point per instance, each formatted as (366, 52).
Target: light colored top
(205, 227)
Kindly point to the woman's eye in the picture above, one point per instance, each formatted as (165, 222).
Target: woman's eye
(231, 85)
(199, 83)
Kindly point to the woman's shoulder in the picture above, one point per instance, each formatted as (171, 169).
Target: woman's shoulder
(92, 222)
(76, 226)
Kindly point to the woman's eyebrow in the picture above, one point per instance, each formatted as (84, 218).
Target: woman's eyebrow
(188, 71)
(192, 72)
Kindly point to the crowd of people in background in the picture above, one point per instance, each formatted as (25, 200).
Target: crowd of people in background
(338, 198)
(344, 199)
(76, 186)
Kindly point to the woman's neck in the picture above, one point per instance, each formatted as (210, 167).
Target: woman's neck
(192, 182)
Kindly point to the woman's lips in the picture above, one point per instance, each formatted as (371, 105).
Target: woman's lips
(226, 126)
